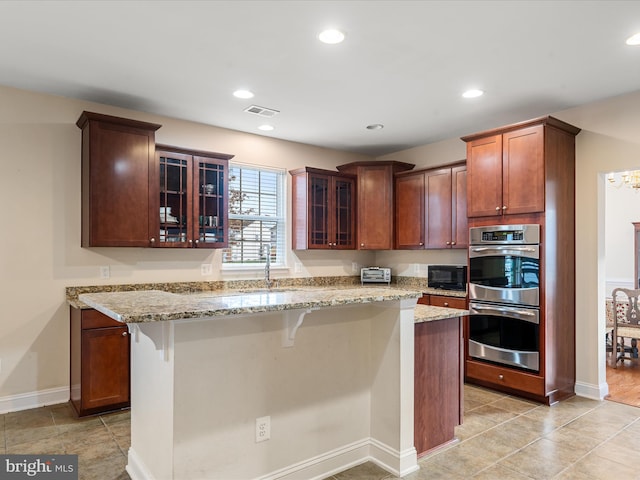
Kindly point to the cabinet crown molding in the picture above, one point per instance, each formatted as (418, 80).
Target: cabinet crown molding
(85, 117)
(548, 121)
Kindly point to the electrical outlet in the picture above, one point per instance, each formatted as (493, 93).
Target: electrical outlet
(297, 267)
(354, 267)
(105, 271)
(263, 429)
(206, 269)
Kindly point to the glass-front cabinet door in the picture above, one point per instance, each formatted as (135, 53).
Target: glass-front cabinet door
(210, 217)
(319, 215)
(345, 213)
(332, 212)
(175, 199)
(192, 199)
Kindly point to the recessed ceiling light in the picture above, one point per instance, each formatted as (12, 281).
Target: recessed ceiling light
(265, 128)
(473, 93)
(331, 36)
(634, 39)
(243, 94)
(375, 126)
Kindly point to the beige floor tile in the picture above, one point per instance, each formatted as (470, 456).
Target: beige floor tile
(107, 468)
(433, 471)
(37, 417)
(490, 446)
(17, 436)
(500, 472)
(366, 471)
(51, 445)
(594, 467)
(568, 437)
(515, 405)
(493, 415)
(462, 460)
(542, 459)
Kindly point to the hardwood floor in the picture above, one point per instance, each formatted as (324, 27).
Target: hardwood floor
(624, 383)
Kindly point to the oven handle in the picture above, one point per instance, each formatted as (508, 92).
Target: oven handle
(506, 311)
(502, 249)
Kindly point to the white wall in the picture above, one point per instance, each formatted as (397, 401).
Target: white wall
(608, 142)
(622, 207)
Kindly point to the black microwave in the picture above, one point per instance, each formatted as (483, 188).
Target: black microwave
(447, 277)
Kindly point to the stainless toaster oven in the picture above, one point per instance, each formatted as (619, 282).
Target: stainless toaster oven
(375, 275)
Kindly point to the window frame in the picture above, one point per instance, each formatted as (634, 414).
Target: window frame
(280, 262)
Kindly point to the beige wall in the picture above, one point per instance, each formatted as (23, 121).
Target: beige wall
(40, 245)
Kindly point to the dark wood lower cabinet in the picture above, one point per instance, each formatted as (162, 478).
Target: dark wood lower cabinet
(99, 374)
(438, 390)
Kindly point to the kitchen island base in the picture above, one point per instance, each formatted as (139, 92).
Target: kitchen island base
(341, 395)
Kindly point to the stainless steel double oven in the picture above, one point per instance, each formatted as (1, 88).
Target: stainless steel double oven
(504, 295)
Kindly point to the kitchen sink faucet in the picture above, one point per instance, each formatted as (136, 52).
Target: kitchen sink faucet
(266, 247)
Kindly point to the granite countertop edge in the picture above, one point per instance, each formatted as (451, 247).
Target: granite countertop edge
(155, 305)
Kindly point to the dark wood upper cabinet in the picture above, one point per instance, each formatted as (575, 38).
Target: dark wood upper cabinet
(507, 167)
(323, 209)
(117, 158)
(133, 196)
(375, 204)
(430, 208)
(191, 208)
(410, 211)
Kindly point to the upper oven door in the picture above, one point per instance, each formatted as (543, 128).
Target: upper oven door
(505, 274)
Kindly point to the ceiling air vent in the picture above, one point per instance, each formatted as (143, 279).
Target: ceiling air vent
(261, 111)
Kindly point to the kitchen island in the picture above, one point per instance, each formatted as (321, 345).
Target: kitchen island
(298, 383)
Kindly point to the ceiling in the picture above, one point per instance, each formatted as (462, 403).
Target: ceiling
(403, 64)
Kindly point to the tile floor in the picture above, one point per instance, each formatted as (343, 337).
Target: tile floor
(502, 438)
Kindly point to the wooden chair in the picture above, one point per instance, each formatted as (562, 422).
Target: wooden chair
(626, 324)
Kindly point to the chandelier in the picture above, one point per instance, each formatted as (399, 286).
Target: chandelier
(629, 179)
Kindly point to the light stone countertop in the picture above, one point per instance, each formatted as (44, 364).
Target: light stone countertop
(156, 305)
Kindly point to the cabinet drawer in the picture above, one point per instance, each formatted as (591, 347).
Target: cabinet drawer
(506, 377)
(451, 302)
(424, 300)
(94, 319)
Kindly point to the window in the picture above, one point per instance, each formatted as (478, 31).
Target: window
(256, 216)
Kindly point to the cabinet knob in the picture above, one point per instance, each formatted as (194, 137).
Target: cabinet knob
(448, 243)
(497, 209)
(362, 244)
(446, 304)
(504, 207)
(197, 242)
(501, 377)
(453, 243)
(421, 244)
(153, 240)
(190, 242)
(124, 334)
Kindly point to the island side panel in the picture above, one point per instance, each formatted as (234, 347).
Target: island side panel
(392, 386)
(438, 382)
(152, 405)
(230, 371)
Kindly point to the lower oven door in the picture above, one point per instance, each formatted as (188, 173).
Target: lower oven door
(505, 335)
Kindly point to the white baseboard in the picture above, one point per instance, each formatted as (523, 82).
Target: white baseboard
(592, 391)
(25, 401)
(136, 469)
(320, 466)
